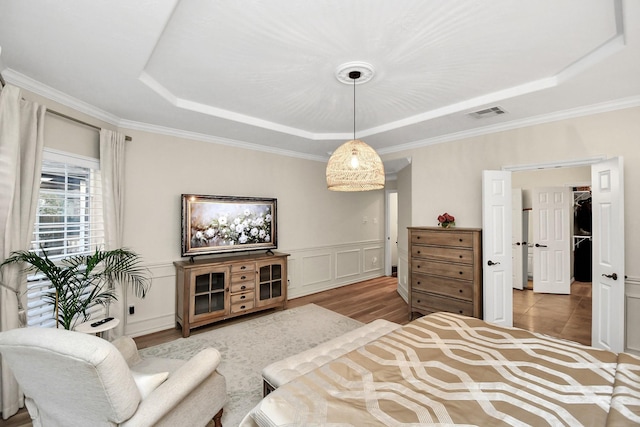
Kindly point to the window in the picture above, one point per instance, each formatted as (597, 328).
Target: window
(68, 222)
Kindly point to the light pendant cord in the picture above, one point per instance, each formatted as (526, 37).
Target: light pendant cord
(354, 108)
(355, 75)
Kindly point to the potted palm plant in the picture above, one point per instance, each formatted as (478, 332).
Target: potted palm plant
(83, 281)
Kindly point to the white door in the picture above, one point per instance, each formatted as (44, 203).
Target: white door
(551, 209)
(608, 308)
(496, 247)
(517, 238)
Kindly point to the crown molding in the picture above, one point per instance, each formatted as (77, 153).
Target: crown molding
(17, 79)
(618, 104)
(145, 127)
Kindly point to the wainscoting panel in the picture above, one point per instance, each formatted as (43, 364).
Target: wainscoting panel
(632, 311)
(310, 270)
(316, 269)
(156, 312)
(403, 274)
(347, 263)
(373, 258)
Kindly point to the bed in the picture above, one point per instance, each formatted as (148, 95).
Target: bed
(449, 369)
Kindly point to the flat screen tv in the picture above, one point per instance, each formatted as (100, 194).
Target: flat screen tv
(215, 224)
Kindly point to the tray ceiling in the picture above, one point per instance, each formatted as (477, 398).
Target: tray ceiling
(263, 73)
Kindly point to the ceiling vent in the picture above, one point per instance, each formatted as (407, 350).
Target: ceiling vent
(487, 112)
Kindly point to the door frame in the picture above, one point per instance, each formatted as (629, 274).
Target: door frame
(387, 229)
(567, 163)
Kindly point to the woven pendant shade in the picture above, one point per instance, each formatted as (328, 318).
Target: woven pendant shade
(355, 166)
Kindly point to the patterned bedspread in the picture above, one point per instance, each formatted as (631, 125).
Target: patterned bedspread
(447, 369)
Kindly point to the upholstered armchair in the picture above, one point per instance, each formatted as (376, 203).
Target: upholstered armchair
(74, 379)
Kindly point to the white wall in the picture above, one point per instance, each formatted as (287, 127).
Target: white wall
(405, 195)
(325, 232)
(447, 177)
(330, 241)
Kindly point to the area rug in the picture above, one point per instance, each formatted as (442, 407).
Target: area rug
(248, 346)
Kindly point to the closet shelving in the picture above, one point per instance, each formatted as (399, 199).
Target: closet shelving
(581, 196)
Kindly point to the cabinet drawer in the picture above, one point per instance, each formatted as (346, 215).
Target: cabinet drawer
(248, 267)
(242, 306)
(443, 254)
(454, 271)
(442, 238)
(431, 303)
(242, 286)
(443, 286)
(240, 298)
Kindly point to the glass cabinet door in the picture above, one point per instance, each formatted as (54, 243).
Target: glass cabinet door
(209, 292)
(271, 283)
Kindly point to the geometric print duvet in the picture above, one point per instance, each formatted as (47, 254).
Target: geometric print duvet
(450, 370)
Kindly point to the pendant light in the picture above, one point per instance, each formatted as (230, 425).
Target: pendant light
(355, 166)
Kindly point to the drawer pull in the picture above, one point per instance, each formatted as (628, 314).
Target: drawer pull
(418, 237)
(244, 296)
(419, 282)
(243, 277)
(419, 252)
(460, 256)
(244, 267)
(460, 290)
(461, 272)
(460, 311)
(418, 301)
(243, 306)
(243, 287)
(460, 240)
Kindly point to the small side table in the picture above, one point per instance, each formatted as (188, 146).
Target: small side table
(85, 327)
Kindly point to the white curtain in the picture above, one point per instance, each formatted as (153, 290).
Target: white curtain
(21, 144)
(112, 146)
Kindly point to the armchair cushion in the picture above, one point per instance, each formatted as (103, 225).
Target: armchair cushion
(75, 379)
(146, 383)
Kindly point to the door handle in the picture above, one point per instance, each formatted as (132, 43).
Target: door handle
(613, 276)
(540, 246)
(492, 263)
(517, 243)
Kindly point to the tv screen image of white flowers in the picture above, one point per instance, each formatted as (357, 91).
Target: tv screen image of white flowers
(223, 224)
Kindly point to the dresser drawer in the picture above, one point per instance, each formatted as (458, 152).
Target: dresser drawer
(248, 267)
(239, 298)
(454, 271)
(242, 306)
(442, 238)
(242, 286)
(443, 254)
(432, 303)
(443, 286)
(243, 277)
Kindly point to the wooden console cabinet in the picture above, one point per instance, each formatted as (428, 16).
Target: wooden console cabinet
(445, 270)
(214, 289)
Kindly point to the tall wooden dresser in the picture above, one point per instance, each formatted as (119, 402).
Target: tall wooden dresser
(445, 270)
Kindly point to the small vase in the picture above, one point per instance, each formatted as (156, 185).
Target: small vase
(447, 225)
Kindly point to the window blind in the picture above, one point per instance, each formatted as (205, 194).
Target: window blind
(69, 221)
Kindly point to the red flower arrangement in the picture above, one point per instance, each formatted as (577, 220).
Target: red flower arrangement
(445, 220)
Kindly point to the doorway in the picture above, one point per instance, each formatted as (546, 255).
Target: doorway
(607, 185)
(391, 233)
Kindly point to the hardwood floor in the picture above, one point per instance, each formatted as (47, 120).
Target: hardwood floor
(563, 316)
(364, 301)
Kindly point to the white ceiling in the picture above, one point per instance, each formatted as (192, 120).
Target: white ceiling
(262, 74)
